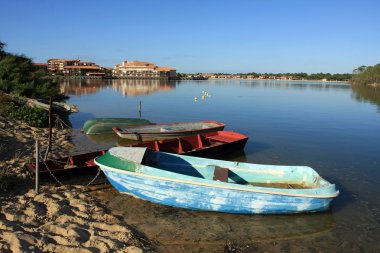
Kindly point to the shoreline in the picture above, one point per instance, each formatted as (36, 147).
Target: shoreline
(283, 80)
(60, 218)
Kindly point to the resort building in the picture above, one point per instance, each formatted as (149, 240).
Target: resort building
(75, 68)
(39, 66)
(167, 72)
(58, 65)
(142, 70)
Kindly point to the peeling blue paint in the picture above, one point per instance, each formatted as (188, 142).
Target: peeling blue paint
(172, 184)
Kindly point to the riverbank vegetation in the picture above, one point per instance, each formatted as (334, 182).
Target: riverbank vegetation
(269, 76)
(18, 77)
(367, 75)
(18, 81)
(17, 108)
(304, 76)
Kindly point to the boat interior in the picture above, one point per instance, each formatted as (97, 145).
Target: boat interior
(176, 127)
(285, 177)
(189, 143)
(67, 163)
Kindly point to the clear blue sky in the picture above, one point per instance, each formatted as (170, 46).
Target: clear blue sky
(333, 36)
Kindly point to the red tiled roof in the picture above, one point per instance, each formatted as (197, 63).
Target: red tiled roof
(138, 64)
(82, 67)
(60, 60)
(164, 69)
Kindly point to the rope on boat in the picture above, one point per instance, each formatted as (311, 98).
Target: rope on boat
(59, 162)
(94, 178)
(60, 122)
(51, 173)
(56, 179)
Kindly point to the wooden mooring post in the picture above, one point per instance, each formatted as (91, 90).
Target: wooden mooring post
(140, 108)
(37, 167)
(50, 127)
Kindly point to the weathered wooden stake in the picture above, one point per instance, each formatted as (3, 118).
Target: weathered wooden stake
(140, 108)
(37, 167)
(50, 119)
(50, 126)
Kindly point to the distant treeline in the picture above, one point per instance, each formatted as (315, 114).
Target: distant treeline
(305, 76)
(367, 75)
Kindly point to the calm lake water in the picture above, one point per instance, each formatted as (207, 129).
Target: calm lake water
(331, 127)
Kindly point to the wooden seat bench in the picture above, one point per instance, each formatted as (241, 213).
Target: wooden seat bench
(220, 138)
(220, 174)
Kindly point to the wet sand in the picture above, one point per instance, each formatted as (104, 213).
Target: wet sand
(59, 218)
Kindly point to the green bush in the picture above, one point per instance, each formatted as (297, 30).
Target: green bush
(32, 116)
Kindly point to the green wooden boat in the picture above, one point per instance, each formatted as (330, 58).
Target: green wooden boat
(104, 125)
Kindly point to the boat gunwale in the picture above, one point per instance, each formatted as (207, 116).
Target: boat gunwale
(119, 129)
(59, 163)
(94, 123)
(239, 138)
(221, 185)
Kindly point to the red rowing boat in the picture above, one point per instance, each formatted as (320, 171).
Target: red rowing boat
(70, 165)
(203, 145)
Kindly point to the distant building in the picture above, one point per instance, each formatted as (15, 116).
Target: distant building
(140, 69)
(80, 70)
(58, 65)
(38, 66)
(166, 72)
(75, 67)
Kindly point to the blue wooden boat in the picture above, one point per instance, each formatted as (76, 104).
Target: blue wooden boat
(215, 185)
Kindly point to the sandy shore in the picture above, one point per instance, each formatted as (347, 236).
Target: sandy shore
(59, 218)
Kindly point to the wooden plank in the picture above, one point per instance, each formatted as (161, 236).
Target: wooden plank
(221, 138)
(220, 174)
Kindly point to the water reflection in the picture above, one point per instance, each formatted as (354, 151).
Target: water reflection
(287, 84)
(367, 93)
(111, 138)
(130, 87)
(127, 87)
(77, 86)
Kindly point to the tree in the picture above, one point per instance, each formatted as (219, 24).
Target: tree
(367, 75)
(360, 69)
(2, 46)
(17, 76)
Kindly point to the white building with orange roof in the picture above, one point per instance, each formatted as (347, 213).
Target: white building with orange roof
(143, 70)
(167, 72)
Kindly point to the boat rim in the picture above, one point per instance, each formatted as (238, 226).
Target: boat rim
(119, 129)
